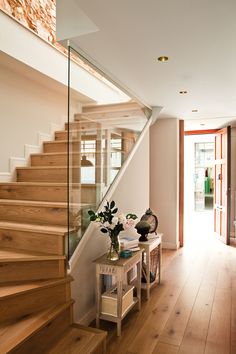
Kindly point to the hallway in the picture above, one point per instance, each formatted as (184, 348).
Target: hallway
(194, 309)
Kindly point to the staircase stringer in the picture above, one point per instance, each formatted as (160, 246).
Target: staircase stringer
(10, 175)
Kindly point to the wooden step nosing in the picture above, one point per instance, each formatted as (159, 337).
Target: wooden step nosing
(34, 184)
(52, 284)
(23, 228)
(32, 203)
(41, 258)
(19, 340)
(46, 167)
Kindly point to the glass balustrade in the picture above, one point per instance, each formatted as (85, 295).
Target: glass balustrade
(100, 136)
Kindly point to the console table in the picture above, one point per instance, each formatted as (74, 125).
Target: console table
(150, 246)
(119, 270)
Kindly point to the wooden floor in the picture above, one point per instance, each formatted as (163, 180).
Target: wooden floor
(193, 311)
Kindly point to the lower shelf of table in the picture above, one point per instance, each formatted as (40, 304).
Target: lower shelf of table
(149, 285)
(116, 318)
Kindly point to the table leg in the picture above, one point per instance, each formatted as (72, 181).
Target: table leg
(160, 254)
(98, 298)
(118, 328)
(148, 273)
(119, 306)
(139, 284)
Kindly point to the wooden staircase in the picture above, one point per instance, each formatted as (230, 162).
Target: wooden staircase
(35, 297)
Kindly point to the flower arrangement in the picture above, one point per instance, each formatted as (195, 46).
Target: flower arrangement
(111, 224)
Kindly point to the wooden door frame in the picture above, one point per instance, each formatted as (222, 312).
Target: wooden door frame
(228, 182)
(228, 188)
(182, 134)
(181, 183)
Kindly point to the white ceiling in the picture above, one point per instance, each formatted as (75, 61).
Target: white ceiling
(198, 36)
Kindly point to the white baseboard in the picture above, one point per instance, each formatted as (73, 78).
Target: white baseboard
(16, 162)
(5, 177)
(31, 149)
(44, 137)
(87, 318)
(55, 127)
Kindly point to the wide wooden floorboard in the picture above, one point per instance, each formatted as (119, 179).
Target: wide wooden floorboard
(193, 311)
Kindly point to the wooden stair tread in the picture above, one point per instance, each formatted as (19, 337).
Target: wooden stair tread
(78, 339)
(55, 153)
(40, 203)
(112, 107)
(45, 184)
(10, 255)
(62, 141)
(35, 184)
(46, 167)
(11, 289)
(57, 230)
(32, 203)
(14, 333)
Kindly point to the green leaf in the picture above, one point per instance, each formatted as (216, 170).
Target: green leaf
(91, 212)
(93, 217)
(112, 204)
(114, 210)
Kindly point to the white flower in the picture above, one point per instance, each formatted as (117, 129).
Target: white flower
(122, 218)
(106, 224)
(129, 223)
(115, 220)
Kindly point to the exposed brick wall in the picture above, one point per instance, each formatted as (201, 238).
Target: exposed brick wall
(38, 15)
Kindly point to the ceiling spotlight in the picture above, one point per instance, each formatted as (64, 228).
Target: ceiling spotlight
(163, 58)
(183, 92)
(194, 110)
(202, 124)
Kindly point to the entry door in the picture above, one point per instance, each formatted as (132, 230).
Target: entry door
(222, 185)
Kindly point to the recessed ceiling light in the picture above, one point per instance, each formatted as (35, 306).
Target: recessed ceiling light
(183, 92)
(163, 58)
(194, 110)
(202, 124)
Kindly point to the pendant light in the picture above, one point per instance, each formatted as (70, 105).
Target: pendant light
(84, 161)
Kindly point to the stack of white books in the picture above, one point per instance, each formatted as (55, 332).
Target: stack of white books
(128, 242)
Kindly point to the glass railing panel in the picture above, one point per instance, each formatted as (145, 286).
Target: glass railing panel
(100, 138)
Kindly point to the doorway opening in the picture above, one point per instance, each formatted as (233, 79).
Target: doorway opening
(199, 186)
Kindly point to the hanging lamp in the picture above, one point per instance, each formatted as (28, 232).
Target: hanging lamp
(84, 161)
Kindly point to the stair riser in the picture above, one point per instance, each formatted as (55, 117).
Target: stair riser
(55, 175)
(36, 193)
(55, 160)
(83, 125)
(32, 241)
(43, 339)
(31, 270)
(34, 214)
(21, 305)
(57, 146)
(91, 134)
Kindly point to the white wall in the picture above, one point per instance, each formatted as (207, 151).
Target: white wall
(131, 195)
(27, 107)
(25, 46)
(164, 178)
